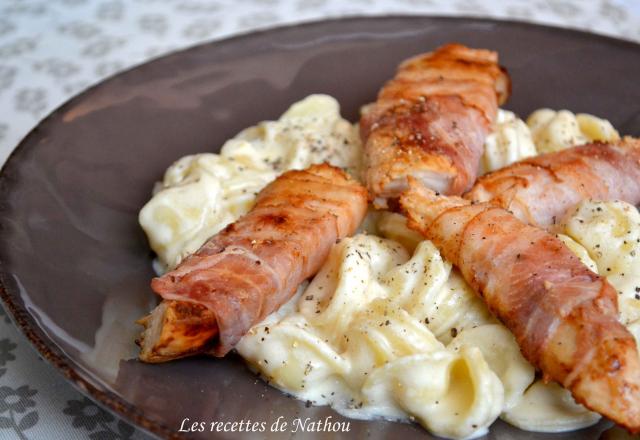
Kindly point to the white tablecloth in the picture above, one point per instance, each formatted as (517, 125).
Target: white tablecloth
(53, 49)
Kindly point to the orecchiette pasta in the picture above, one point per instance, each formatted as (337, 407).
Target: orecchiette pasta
(372, 345)
(549, 408)
(610, 232)
(556, 130)
(348, 283)
(394, 226)
(510, 142)
(359, 341)
(428, 288)
(499, 348)
(387, 328)
(200, 194)
(368, 335)
(579, 250)
(445, 391)
(545, 131)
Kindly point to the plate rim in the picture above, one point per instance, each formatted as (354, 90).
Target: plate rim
(28, 325)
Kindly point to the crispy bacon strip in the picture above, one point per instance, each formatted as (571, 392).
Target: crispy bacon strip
(544, 189)
(254, 265)
(430, 121)
(563, 316)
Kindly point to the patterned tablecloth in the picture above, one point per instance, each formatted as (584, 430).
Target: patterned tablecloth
(53, 49)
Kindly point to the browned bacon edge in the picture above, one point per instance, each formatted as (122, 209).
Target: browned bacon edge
(254, 265)
(430, 121)
(563, 316)
(543, 190)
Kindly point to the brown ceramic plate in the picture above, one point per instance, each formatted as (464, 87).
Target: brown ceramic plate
(75, 265)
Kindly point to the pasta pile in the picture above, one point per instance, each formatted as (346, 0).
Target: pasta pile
(556, 130)
(510, 142)
(610, 234)
(388, 328)
(545, 131)
(357, 340)
(201, 194)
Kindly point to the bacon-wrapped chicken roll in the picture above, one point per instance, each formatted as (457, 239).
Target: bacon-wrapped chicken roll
(253, 266)
(543, 189)
(562, 314)
(431, 120)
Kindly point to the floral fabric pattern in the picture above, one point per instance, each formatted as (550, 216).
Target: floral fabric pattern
(87, 415)
(51, 50)
(16, 413)
(13, 403)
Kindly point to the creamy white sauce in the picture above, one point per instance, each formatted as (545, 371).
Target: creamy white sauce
(510, 142)
(356, 339)
(609, 232)
(556, 130)
(387, 329)
(549, 408)
(202, 193)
